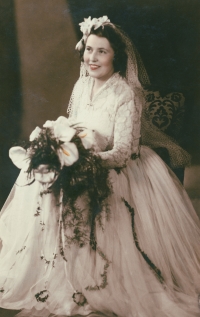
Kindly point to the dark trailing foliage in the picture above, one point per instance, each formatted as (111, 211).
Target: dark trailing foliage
(153, 267)
(86, 175)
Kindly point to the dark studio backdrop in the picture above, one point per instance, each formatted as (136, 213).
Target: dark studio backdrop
(38, 65)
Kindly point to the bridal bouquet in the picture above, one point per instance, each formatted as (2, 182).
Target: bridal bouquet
(61, 156)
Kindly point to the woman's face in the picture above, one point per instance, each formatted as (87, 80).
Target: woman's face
(98, 57)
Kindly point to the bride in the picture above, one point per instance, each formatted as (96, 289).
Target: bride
(137, 255)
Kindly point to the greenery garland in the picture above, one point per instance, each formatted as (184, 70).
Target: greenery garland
(79, 298)
(42, 296)
(152, 266)
(86, 176)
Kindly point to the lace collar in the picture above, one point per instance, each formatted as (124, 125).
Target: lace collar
(111, 81)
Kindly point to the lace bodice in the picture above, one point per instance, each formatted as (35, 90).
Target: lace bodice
(112, 114)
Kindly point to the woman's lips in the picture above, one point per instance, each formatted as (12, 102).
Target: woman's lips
(94, 67)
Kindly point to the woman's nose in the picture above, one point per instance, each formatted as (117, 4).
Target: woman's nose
(93, 56)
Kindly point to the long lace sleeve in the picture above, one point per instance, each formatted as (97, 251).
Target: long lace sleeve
(126, 136)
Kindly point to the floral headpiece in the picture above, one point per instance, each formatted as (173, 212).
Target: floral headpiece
(86, 27)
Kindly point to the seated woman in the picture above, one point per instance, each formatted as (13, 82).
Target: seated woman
(71, 244)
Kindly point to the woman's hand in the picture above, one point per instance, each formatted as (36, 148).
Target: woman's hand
(90, 138)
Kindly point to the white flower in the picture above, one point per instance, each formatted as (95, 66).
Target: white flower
(86, 26)
(92, 139)
(35, 134)
(62, 130)
(79, 45)
(68, 153)
(87, 137)
(19, 157)
(101, 21)
(48, 124)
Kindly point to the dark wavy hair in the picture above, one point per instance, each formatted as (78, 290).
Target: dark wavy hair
(116, 41)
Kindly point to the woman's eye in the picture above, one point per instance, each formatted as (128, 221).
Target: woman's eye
(88, 49)
(102, 52)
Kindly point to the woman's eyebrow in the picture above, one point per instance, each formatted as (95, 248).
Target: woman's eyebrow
(99, 48)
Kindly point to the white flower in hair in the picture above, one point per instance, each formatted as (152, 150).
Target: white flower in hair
(86, 27)
(101, 22)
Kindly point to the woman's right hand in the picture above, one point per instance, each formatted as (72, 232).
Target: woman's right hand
(91, 139)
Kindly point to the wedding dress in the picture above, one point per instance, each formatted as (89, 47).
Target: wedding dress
(146, 262)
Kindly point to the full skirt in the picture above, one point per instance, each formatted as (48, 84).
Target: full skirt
(146, 261)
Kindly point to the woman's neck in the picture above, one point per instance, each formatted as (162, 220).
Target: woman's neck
(97, 85)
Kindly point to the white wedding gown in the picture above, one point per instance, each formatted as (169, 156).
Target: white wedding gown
(119, 278)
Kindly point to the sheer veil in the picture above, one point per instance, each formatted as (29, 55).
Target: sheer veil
(138, 80)
(151, 136)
